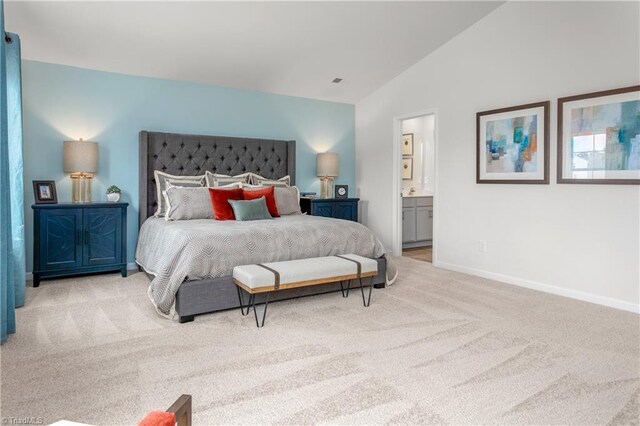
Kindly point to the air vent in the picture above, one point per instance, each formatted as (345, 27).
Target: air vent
(337, 80)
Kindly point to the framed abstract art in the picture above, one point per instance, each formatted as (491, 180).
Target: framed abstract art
(599, 137)
(513, 144)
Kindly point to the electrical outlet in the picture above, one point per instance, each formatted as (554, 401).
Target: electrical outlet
(482, 246)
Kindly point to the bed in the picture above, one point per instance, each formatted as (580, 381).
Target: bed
(190, 262)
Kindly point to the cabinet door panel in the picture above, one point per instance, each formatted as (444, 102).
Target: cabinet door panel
(408, 202)
(103, 236)
(408, 224)
(346, 210)
(60, 239)
(323, 209)
(423, 223)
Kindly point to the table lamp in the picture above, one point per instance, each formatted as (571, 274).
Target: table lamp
(326, 170)
(81, 161)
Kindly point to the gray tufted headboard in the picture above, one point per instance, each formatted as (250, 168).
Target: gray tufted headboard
(191, 155)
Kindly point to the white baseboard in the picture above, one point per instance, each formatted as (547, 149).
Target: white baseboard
(130, 266)
(546, 288)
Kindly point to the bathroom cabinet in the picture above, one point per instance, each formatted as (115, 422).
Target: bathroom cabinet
(417, 221)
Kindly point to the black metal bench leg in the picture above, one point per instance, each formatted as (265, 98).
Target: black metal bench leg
(345, 292)
(366, 302)
(264, 313)
(240, 299)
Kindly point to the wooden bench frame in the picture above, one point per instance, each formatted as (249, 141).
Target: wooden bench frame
(182, 409)
(268, 290)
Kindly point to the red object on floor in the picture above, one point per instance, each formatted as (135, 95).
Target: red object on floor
(220, 202)
(159, 418)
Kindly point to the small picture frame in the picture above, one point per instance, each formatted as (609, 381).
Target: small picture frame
(342, 191)
(407, 145)
(407, 169)
(44, 192)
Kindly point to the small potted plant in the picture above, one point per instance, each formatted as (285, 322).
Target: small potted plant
(113, 194)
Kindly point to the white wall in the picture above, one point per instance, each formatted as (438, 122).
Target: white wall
(423, 153)
(578, 240)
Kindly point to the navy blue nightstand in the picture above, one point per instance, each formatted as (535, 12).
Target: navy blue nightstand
(339, 208)
(78, 238)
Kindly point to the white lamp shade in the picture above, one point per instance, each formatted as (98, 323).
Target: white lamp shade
(327, 164)
(80, 157)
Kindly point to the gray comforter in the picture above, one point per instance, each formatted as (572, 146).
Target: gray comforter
(178, 251)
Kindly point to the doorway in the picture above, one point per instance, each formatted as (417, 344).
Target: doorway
(414, 203)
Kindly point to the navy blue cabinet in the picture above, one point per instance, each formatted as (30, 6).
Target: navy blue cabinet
(339, 208)
(60, 239)
(73, 239)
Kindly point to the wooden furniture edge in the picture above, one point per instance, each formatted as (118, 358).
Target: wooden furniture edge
(298, 284)
(182, 409)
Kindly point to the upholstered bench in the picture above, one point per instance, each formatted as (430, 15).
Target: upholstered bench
(270, 277)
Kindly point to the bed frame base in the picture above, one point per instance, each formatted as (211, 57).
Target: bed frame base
(187, 318)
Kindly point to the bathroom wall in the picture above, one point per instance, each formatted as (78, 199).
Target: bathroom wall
(423, 129)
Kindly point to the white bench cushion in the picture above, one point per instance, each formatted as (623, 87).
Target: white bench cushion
(301, 270)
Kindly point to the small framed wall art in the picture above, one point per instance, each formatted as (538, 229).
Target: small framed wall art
(513, 144)
(407, 169)
(44, 192)
(407, 144)
(599, 137)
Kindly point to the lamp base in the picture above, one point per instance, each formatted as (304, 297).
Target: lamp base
(326, 187)
(81, 188)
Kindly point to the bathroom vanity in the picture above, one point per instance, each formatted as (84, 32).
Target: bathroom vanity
(417, 221)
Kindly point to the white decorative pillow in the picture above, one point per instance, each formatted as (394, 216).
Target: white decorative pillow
(183, 203)
(287, 200)
(215, 179)
(161, 185)
(260, 180)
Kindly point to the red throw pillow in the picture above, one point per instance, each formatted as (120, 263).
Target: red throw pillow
(267, 193)
(220, 202)
(159, 418)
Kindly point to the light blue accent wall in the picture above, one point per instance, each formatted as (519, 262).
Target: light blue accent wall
(63, 103)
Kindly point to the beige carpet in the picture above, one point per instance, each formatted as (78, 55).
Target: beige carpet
(438, 347)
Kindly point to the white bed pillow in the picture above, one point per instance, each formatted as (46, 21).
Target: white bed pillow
(216, 180)
(162, 178)
(287, 200)
(260, 180)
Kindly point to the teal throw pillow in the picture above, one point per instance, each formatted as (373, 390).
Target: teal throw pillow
(250, 209)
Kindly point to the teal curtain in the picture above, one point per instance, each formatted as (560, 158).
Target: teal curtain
(12, 249)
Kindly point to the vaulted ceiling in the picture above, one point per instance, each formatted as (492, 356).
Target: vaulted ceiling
(288, 48)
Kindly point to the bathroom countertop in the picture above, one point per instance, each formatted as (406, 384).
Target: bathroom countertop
(417, 196)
